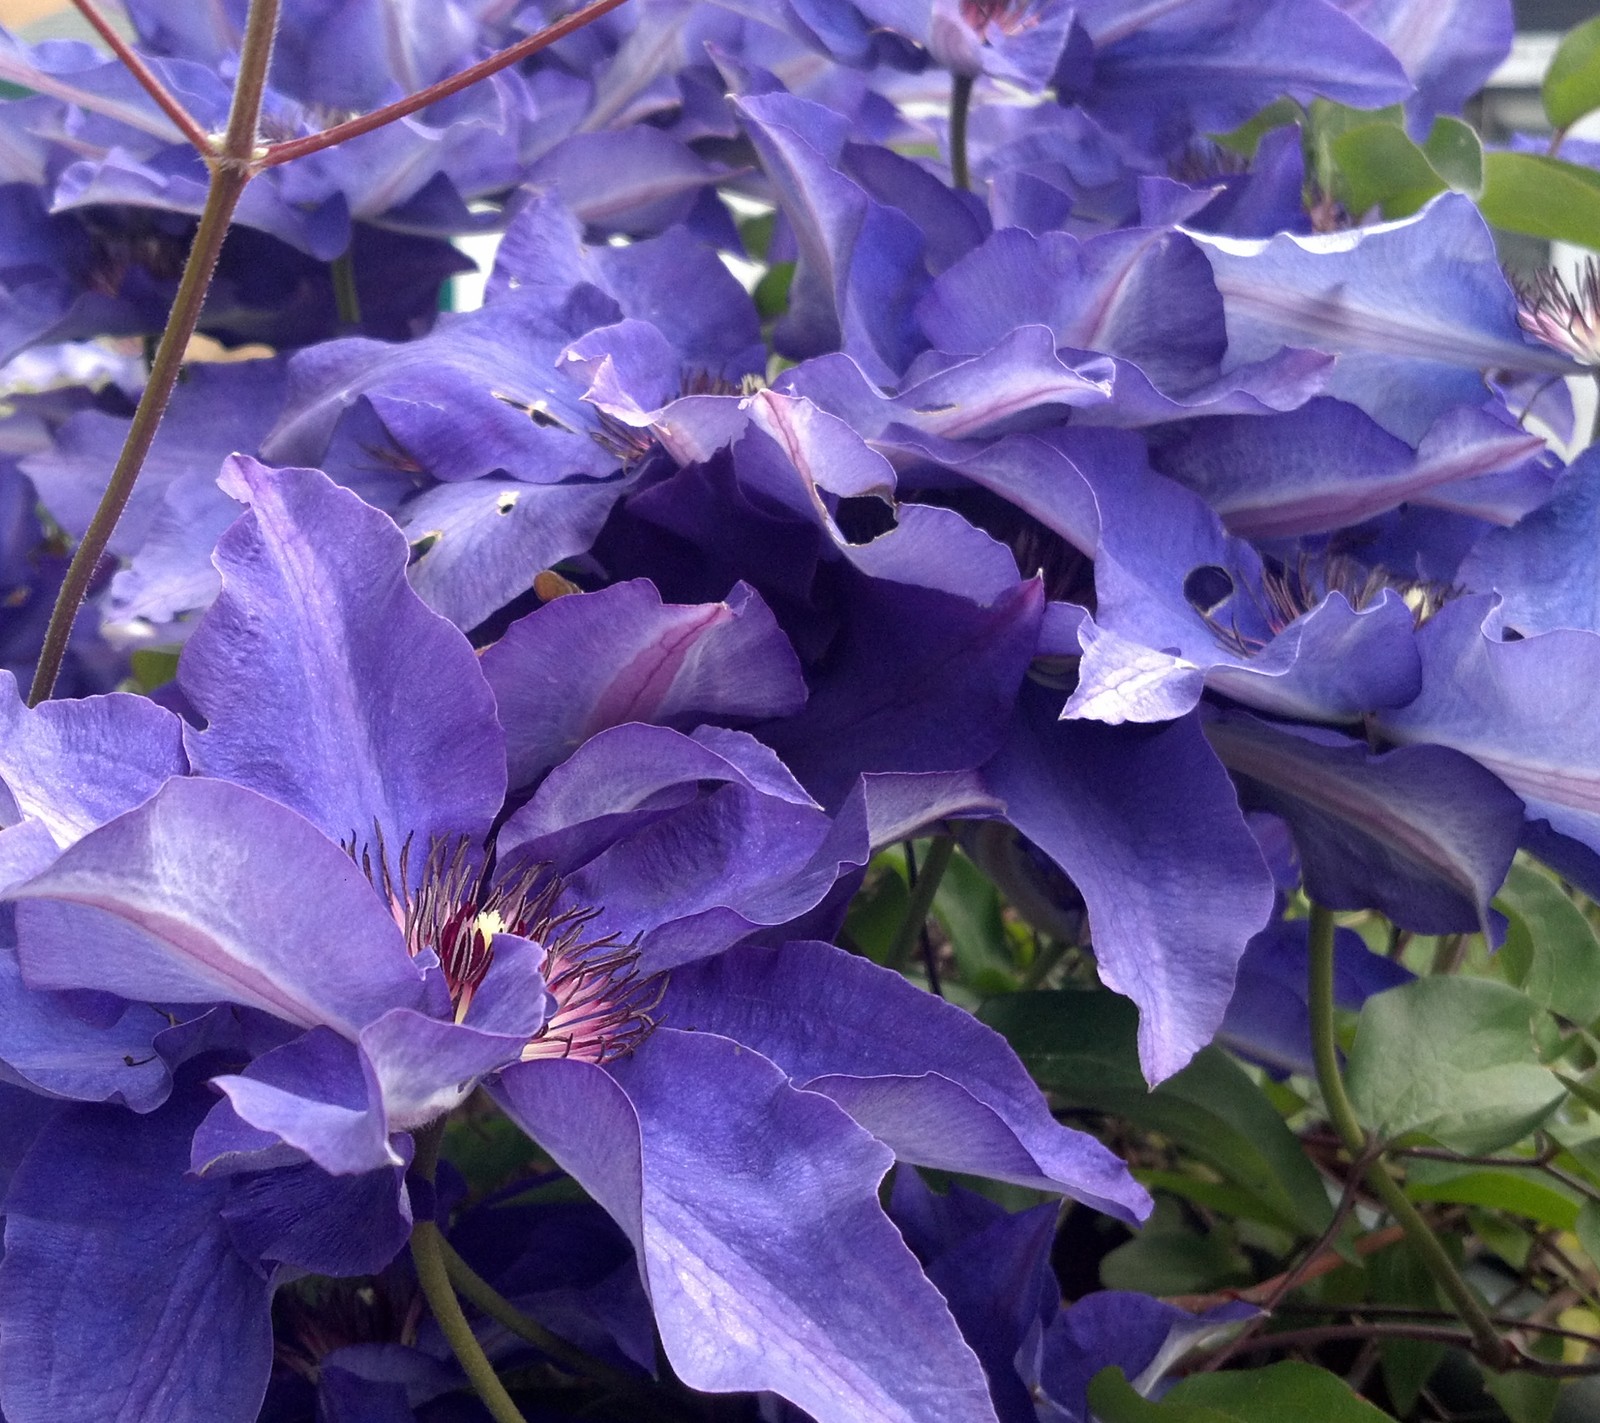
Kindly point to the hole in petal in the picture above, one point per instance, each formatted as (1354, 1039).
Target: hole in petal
(864, 517)
(1207, 588)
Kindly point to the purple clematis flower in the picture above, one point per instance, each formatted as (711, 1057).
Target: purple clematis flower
(1417, 311)
(416, 175)
(1021, 41)
(1141, 296)
(1449, 49)
(350, 769)
(1516, 706)
(1164, 73)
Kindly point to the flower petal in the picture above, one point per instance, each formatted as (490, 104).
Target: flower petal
(937, 1087)
(1422, 833)
(126, 1305)
(1148, 826)
(74, 765)
(581, 664)
(754, 1210)
(327, 684)
(211, 892)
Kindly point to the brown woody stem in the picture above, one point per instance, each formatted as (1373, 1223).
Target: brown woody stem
(314, 143)
(230, 172)
(165, 99)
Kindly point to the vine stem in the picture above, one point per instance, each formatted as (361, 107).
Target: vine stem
(232, 165)
(230, 172)
(960, 107)
(1488, 1343)
(294, 148)
(165, 99)
(428, 1247)
(477, 1291)
(427, 1250)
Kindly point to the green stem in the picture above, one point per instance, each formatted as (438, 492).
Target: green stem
(1490, 1346)
(345, 298)
(960, 105)
(230, 172)
(428, 1247)
(477, 1291)
(921, 900)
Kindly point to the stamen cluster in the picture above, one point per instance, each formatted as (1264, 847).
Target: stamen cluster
(1287, 591)
(459, 906)
(1562, 315)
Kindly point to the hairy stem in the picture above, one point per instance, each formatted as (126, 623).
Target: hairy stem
(244, 114)
(1489, 1345)
(165, 99)
(230, 172)
(960, 107)
(365, 123)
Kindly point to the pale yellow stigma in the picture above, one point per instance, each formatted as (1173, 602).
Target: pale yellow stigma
(485, 925)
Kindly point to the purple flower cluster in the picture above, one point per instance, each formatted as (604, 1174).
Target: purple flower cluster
(552, 671)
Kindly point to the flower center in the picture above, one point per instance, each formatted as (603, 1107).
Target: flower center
(1290, 590)
(1564, 317)
(120, 243)
(1007, 16)
(461, 905)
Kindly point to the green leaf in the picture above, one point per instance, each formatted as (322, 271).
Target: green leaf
(1572, 83)
(488, 1151)
(772, 291)
(1112, 1399)
(1585, 1090)
(1456, 154)
(1170, 1257)
(1397, 1276)
(1587, 1229)
(756, 234)
(1528, 1193)
(1526, 1398)
(879, 907)
(1247, 137)
(1285, 1393)
(1327, 122)
(1379, 167)
(1452, 1059)
(1551, 952)
(1544, 197)
(1082, 1048)
(153, 667)
(968, 906)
